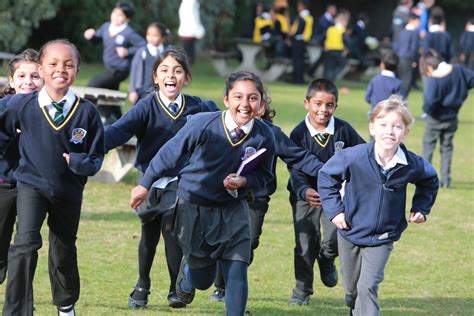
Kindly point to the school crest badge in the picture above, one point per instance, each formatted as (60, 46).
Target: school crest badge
(78, 135)
(338, 145)
(119, 39)
(249, 151)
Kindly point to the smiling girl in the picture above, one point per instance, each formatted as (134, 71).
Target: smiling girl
(154, 120)
(211, 224)
(23, 78)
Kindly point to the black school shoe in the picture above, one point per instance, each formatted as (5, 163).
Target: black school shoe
(218, 295)
(174, 301)
(327, 271)
(138, 303)
(185, 297)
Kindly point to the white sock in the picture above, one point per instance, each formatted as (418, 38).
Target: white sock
(70, 313)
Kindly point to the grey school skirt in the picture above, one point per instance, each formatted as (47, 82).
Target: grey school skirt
(207, 234)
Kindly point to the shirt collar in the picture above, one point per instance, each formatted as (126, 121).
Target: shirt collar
(304, 12)
(166, 101)
(361, 24)
(442, 70)
(470, 28)
(387, 73)
(329, 129)
(434, 28)
(328, 16)
(410, 27)
(45, 100)
(266, 15)
(114, 30)
(155, 50)
(230, 123)
(398, 158)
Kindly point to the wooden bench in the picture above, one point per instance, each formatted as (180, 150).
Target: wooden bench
(119, 161)
(250, 53)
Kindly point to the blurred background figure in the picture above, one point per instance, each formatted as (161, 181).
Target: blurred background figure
(190, 26)
(466, 45)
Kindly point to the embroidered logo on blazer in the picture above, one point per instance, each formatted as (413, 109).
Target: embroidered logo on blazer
(78, 135)
(120, 39)
(338, 145)
(249, 151)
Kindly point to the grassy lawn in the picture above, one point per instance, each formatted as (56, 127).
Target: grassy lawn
(430, 271)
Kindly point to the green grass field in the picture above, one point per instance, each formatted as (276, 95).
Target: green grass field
(430, 271)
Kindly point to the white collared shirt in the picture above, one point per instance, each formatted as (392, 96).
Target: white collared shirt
(155, 50)
(442, 70)
(114, 29)
(328, 16)
(399, 158)
(230, 123)
(166, 101)
(313, 132)
(45, 100)
(387, 73)
(434, 28)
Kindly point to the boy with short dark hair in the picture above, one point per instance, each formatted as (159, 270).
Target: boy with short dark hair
(322, 134)
(447, 90)
(386, 83)
(407, 49)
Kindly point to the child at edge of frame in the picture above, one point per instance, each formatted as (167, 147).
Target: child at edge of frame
(66, 132)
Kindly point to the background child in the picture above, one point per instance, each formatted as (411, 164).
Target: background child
(386, 83)
(120, 44)
(372, 215)
(300, 34)
(321, 26)
(212, 225)
(335, 45)
(322, 134)
(447, 90)
(437, 37)
(407, 50)
(154, 120)
(61, 144)
(23, 77)
(296, 157)
(141, 80)
(466, 45)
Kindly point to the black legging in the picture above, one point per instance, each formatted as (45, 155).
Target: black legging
(147, 249)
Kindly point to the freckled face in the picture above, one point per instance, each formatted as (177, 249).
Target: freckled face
(26, 78)
(170, 77)
(243, 101)
(321, 108)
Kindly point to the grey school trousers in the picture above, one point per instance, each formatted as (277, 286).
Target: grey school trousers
(445, 132)
(362, 272)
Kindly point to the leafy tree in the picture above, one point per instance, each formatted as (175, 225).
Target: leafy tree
(19, 17)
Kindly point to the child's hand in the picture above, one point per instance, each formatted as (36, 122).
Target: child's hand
(233, 181)
(89, 33)
(417, 218)
(66, 157)
(122, 52)
(133, 97)
(312, 197)
(340, 221)
(138, 195)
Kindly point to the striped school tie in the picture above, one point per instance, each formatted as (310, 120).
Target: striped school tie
(173, 107)
(59, 115)
(322, 137)
(236, 134)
